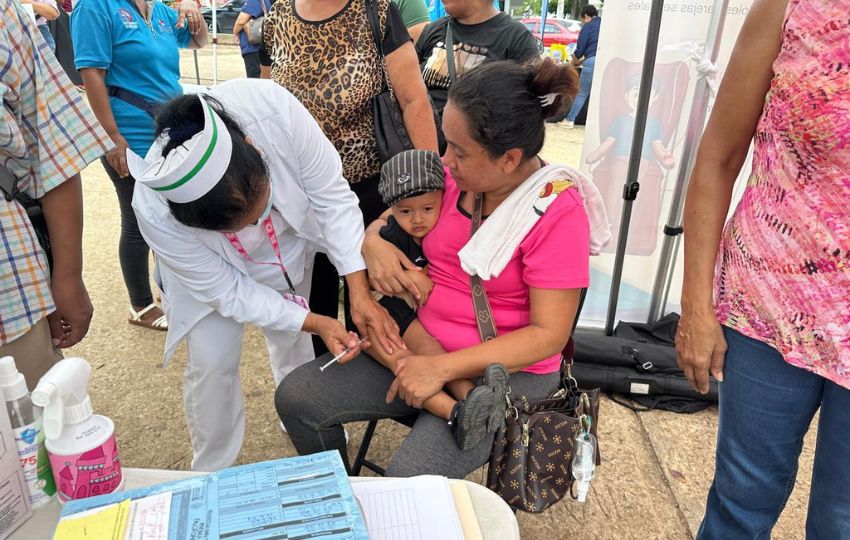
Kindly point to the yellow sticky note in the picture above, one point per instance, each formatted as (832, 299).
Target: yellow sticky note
(108, 523)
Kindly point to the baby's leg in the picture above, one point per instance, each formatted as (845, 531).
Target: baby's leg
(421, 342)
(418, 342)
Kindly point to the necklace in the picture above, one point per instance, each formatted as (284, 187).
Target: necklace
(147, 17)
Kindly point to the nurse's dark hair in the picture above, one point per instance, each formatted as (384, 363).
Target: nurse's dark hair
(501, 102)
(244, 182)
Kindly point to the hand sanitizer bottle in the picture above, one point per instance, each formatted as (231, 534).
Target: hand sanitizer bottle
(29, 435)
(81, 445)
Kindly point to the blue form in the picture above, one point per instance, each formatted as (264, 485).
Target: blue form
(286, 499)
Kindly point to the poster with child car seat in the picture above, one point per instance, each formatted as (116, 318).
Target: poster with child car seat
(609, 133)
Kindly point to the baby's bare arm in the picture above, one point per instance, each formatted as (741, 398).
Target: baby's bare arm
(423, 283)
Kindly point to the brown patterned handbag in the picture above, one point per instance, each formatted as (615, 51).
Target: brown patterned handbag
(531, 460)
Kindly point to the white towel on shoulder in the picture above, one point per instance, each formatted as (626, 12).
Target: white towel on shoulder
(491, 248)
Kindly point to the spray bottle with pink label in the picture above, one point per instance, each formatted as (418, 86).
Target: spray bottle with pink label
(81, 445)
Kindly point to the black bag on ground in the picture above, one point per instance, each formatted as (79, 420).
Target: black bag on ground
(638, 361)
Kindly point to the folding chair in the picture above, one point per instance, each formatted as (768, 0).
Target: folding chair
(360, 461)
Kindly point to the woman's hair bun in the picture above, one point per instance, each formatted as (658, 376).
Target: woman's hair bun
(182, 119)
(550, 77)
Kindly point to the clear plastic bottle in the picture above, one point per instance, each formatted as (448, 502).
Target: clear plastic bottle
(29, 434)
(584, 463)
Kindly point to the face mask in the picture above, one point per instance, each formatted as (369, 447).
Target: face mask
(268, 209)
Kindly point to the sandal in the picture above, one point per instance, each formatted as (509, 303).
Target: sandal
(160, 323)
(470, 418)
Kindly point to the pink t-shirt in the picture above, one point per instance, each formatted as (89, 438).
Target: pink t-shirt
(554, 255)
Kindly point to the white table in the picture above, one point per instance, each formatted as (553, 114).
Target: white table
(496, 519)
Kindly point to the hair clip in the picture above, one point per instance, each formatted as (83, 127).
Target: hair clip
(548, 99)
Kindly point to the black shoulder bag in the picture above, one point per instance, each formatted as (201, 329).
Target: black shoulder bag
(9, 185)
(390, 134)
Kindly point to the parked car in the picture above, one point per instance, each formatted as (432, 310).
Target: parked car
(226, 14)
(561, 31)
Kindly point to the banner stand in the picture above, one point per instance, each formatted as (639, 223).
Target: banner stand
(632, 186)
(696, 123)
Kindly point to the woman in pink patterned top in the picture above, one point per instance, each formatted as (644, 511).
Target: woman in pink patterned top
(777, 329)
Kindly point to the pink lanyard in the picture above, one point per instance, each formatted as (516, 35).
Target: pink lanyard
(272, 236)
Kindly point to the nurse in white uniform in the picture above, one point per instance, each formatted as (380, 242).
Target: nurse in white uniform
(238, 192)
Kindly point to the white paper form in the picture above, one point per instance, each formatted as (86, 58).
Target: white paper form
(149, 518)
(418, 508)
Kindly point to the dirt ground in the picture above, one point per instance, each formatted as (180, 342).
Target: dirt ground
(657, 466)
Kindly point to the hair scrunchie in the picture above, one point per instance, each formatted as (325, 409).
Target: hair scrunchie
(184, 132)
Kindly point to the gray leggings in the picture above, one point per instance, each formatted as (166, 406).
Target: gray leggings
(313, 405)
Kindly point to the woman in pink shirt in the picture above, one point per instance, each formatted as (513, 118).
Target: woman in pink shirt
(534, 299)
(766, 299)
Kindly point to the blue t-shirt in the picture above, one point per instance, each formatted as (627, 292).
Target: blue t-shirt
(622, 130)
(112, 35)
(255, 9)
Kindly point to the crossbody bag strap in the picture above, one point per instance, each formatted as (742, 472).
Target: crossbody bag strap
(374, 24)
(483, 313)
(450, 53)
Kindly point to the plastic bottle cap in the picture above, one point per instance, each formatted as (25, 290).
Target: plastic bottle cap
(581, 495)
(75, 414)
(11, 380)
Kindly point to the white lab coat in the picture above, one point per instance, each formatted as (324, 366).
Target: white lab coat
(205, 278)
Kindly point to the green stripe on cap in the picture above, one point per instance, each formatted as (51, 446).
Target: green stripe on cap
(197, 168)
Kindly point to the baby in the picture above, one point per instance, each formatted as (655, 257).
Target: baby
(412, 184)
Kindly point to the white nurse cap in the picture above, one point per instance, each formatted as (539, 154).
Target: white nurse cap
(191, 170)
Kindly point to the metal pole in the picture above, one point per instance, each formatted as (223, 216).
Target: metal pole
(544, 11)
(215, 41)
(696, 124)
(632, 186)
(197, 69)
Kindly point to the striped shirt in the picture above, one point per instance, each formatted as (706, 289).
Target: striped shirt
(47, 134)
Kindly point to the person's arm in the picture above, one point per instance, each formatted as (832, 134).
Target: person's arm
(581, 44)
(406, 80)
(94, 82)
(387, 264)
(63, 211)
(700, 345)
(601, 150)
(43, 9)
(190, 25)
(423, 283)
(239, 25)
(412, 96)
(416, 30)
(338, 214)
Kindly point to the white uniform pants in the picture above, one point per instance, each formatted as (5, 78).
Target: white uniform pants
(212, 391)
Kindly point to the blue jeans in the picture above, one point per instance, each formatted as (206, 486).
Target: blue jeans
(584, 81)
(48, 37)
(766, 406)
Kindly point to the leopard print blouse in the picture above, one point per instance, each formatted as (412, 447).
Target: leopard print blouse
(332, 67)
